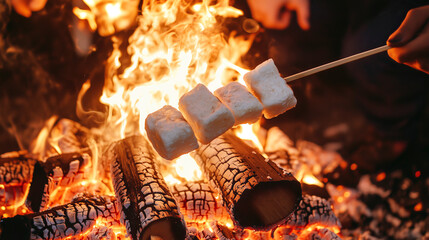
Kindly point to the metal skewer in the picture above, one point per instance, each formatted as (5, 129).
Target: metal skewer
(336, 63)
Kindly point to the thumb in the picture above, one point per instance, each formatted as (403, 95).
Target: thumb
(410, 27)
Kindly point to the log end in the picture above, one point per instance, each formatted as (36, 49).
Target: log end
(267, 204)
(18, 227)
(165, 229)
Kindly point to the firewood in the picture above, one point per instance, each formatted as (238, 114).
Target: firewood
(60, 222)
(147, 206)
(61, 170)
(16, 168)
(199, 203)
(222, 232)
(320, 233)
(257, 193)
(313, 210)
(69, 136)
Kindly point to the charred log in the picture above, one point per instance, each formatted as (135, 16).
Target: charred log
(198, 202)
(147, 206)
(222, 232)
(62, 221)
(69, 136)
(257, 192)
(16, 168)
(313, 210)
(61, 170)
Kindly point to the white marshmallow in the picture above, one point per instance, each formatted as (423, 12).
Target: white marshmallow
(170, 134)
(208, 117)
(245, 107)
(271, 89)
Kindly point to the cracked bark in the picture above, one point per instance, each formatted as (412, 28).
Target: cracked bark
(147, 206)
(257, 193)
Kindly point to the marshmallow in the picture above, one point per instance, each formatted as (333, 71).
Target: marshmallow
(245, 107)
(208, 117)
(170, 134)
(271, 89)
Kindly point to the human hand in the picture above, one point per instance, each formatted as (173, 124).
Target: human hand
(25, 7)
(410, 42)
(276, 14)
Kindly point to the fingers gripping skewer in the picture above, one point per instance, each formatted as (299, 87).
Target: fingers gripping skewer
(337, 63)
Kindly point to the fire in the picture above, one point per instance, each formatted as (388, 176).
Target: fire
(40, 144)
(175, 46)
(311, 180)
(108, 16)
(245, 131)
(187, 168)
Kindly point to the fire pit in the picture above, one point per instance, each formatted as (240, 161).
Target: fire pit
(102, 179)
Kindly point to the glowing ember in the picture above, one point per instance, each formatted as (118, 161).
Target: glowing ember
(311, 180)
(381, 176)
(418, 174)
(418, 207)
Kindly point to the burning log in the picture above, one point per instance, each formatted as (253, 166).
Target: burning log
(147, 207)
(61, 170)
(16, 168)
(312, 219)
(198, 202)
(313, 210)
(62, 221)
(280, 148)
(257, 193)
(222, 232)
(70, 136)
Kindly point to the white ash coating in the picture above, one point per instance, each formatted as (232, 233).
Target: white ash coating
(199, 202)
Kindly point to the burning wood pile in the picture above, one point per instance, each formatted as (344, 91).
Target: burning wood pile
(242, 196)
(113, 180)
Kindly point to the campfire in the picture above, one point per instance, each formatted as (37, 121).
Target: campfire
(112, 181)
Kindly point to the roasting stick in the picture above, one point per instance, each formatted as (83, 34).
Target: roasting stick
(336, 63)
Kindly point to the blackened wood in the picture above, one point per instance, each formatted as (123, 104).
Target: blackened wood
(17, 227)
(61, 170)
(16, 171)
(222, 232)
(16, 168)
(199, 202)
(69, 136)
(313, 210)
(69, 220)
(258, 193)
(147, 206)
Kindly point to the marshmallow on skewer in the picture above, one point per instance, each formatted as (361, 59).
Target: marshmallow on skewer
(271, 89)
(245, 107)
(208, 117)
(169, 133)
